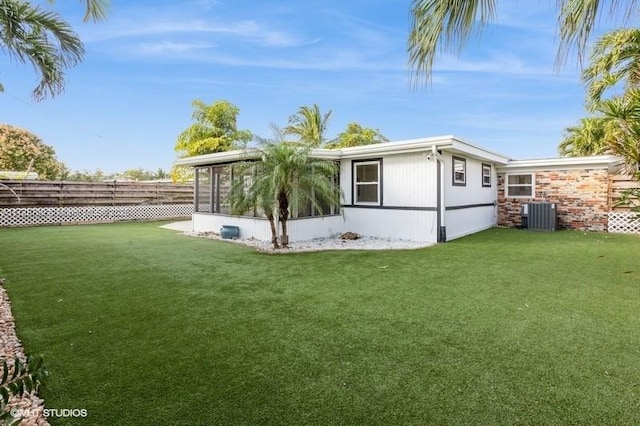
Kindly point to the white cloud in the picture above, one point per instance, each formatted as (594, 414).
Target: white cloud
(170, 47)
(245, 30)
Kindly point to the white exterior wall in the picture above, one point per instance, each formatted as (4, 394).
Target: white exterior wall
(408, 180)
(409, 188)
(468, 221)
(410, 225)
(408, 210)
(298, 229)
(469, 217)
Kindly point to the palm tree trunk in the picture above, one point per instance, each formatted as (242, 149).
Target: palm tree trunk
(283, 205)
(274, 231)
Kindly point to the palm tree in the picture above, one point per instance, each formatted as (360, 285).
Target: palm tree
(622, 115)
(615, 58)
(449, 23)
(29, 33)
(309, 125)
(356, 135)
(286, 179)
(587, 138)
(247, 193)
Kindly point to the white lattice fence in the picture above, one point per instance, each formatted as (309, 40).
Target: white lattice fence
(624, 223)
(27, 216)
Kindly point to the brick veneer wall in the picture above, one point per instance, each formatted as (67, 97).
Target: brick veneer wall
(581, 196)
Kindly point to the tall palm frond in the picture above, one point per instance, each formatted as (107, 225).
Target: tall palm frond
(587, 138)
(615, 59)
(43, 38)
(623, 127)
(309, 125)
(447, 24)
(286, 179)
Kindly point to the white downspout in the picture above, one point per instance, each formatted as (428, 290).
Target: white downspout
(440, 158)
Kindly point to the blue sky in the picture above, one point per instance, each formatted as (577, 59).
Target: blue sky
(126, 103)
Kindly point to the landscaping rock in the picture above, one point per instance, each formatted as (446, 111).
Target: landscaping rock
(322, 244)
(10, 346)
(350, 236)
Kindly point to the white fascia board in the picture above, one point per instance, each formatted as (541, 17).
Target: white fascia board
(367, 151)
(608, 162)
(219, 157)
(398, 147)
(326, 154)
(465, 148)
(243, 155)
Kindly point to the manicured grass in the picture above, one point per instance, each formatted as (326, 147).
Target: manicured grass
(141, 326)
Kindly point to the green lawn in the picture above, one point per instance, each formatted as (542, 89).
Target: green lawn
(139, 325)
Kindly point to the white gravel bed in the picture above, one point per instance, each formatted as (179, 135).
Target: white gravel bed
(29, 406)
(323, 244)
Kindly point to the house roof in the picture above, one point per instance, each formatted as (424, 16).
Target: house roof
(609, 162)
(448, 143)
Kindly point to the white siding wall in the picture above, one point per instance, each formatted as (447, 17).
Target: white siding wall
(411, 225)
(466, 221)
(408, 180)
(249, 227)
(317, 227)
(298, 229)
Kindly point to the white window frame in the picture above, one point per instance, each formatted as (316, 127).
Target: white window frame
(454, 181)
(532, 185)
(486, 166)
(356, 183)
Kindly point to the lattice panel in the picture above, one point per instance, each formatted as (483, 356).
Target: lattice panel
(67, 215)
(624, 222)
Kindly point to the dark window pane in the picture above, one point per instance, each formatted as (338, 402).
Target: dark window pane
(367, 193)
(520, 179)
(367, 173)
(459, 170)
(520, 191)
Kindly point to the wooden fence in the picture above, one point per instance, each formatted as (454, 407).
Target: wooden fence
(21, 193)
(617, 185)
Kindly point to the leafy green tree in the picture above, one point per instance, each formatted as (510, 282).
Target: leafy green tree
(215, 130)
(615, 126)
(356, 135)
(309, 126)
(43, 38)
(587, 138)
(615, 59)
(88, 176)
(286, 179)
(161, 174)
(249, 194)
(20, 150)
(622, 115)
(447, 25)
(141, 174)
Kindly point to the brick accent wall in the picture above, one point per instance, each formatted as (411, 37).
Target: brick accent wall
(582, 197)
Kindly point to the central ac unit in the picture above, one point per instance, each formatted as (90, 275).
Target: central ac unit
(539, 216)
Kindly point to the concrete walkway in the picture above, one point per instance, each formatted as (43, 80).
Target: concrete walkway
(182, 226)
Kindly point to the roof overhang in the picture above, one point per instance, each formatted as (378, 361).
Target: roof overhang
(448, 143)
(608, 162)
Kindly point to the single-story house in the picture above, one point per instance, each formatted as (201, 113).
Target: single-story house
(431, 189)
